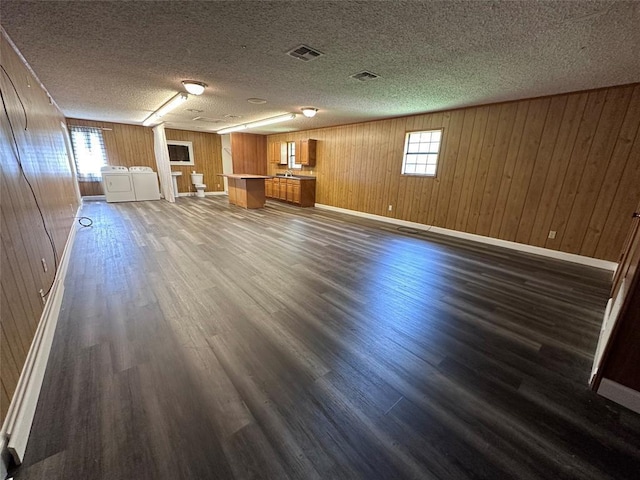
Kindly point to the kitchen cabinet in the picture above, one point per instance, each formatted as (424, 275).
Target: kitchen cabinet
(306, 152)
(283, 189)
(278, 153)
(278, 189)
(246, 190)
(298, 190)
(268, 187)
(275, 188)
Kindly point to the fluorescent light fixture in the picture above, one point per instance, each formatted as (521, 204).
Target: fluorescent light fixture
(259, 123)
(309, 112)
(150, 119)
(237, 128)
(166, 108)
(194, 87)
(269, 121)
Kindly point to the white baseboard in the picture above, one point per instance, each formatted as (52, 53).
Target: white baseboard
(625, 396)
(17, 424)
(546, 252)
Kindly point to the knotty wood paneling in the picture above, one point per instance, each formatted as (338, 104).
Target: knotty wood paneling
(568, 163)
(132, 145)
(207, 150)
(42, 151)
(249, 153)
(88, 189)
(127, 145)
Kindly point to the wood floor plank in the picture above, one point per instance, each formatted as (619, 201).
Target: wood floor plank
(199, 340)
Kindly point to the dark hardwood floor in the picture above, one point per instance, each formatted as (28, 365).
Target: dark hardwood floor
(204, 341)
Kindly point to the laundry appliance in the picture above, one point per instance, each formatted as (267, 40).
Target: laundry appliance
(117, 184)
(145, 183)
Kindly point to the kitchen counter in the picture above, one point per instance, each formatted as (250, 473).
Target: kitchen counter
(295, 177)
(297, 189)
(246, 190)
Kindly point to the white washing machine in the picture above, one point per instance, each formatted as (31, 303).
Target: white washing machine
(116, 181)
(145, 183)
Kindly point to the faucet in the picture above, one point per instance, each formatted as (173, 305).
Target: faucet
(288, 173)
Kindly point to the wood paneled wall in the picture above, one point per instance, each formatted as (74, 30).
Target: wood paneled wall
(42, 150)
(128, 145)
(207, 150)
(515, 171)
(249, 153)
(132, 145)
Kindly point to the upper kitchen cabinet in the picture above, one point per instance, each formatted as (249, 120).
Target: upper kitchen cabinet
(278, 153)
(306, 152)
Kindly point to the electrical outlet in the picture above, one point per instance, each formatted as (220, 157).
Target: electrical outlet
(44, 264)
(552, 234)
(390, 208)
(217, 185)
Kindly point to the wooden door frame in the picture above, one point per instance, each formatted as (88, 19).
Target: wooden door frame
(629, 256)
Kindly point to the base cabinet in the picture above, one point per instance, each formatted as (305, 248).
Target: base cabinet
(299, 191)
(247, 192)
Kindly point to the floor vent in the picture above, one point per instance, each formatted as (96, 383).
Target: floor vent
(364, 76)
(305, 53)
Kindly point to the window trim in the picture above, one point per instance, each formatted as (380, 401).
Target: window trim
(406, 148)
(81, 174)
(294, 165)
(184, 143)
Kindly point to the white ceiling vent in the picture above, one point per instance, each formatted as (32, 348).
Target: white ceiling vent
(305, 53)
(364, 76)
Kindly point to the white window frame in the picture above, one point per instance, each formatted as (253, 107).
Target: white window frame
(291, 157)
(419, 155)
(89, 152)
(184, 143)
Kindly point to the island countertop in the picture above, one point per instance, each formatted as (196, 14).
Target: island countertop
(246, 189)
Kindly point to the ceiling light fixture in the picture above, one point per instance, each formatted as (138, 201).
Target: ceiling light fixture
(166, 108)
(309, 112)
(258, 123)
(237, 128)
(194, 87)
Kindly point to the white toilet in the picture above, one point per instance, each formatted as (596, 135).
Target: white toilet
(197, 179)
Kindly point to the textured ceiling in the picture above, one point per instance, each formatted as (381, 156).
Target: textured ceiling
(119, 61)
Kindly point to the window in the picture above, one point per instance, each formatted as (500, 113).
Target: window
(89, 152)
(180, 153)
(291, 155)
(421, 153)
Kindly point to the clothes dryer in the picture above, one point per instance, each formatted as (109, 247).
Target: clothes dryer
(117, 184)
(145, 183)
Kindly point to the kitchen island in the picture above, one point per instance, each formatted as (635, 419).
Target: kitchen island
(246, 190)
